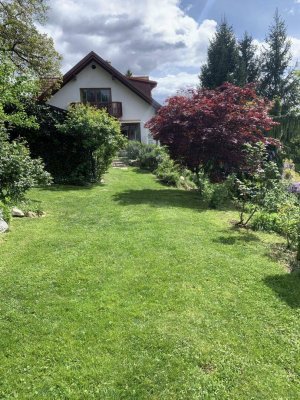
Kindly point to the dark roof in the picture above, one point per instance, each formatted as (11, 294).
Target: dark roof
(93, 57)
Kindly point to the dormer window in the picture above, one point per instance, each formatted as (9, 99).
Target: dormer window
(96, 97)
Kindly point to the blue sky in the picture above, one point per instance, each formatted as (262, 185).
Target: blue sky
(165, 39)
(253, 16)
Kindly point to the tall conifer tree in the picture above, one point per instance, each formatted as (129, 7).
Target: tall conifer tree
(249, 63)
(277, 82)
(223, 59)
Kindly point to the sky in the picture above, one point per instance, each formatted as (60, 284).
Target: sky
(165, 39)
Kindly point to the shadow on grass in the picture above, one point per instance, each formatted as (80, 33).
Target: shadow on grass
(160, 198)
(286, 287)
(66, 188)
(235, 234)
(231, 240)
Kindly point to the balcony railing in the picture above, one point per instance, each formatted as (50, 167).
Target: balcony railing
(114, 108)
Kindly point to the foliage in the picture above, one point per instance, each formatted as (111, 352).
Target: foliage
(249, 62)
(209, 128)
(133, 149)
(27, 205)
(222, 60)
(168, 172)
(288, 132)
(280, 212)
(147, 156)
(15, 92)
(5, 212)
(128, 73)
(254, 183)
(157, 160)
(276, 83)
(220, 195)
(264, 199)
(213, 195)
(150, 156)
(21, 40)
(95, 138)
(18, 171)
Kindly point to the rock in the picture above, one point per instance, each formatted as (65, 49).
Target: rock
(16, 212)
(3, 226)
(31, 214)
(102, 182)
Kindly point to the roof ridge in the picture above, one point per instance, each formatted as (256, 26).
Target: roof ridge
(92, 56)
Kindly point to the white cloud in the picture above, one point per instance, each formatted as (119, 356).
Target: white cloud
(295, 48)
(149, 36)
(173, 83)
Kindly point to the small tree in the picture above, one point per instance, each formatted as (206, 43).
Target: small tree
(209, 128)
(96, 137)
(128, 73)
(258, 177)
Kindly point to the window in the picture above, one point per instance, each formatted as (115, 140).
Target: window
(132, 131)
(96, 96)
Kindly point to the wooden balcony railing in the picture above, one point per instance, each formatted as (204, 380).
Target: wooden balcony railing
(114, 108)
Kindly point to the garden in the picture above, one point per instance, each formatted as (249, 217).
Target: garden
(176, 277)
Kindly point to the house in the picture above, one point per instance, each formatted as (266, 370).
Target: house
(94, 81)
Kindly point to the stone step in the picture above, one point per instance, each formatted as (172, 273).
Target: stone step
(119, 163)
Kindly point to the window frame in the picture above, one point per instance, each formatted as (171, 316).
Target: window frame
(137, 133)
(95, 89)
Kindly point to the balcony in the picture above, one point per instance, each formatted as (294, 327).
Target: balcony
(114, 108)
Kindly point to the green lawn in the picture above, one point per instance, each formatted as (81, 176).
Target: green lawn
(130, 290)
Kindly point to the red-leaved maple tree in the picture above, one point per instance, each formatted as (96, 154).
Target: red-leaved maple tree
(209, 128)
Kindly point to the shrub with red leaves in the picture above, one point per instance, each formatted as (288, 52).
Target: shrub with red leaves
(209, 128)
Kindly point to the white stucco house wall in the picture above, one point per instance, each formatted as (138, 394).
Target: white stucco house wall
(94, 81)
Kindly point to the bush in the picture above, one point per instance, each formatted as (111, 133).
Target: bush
(214, 195)
(251, 187)
(265, 221)
(220, 195)
(168, 172)
(18, 171)
(147, 156)
(56, 150)
(95, 139)
(279, 212)
(5, 212)
(156, 159)
(133, 149)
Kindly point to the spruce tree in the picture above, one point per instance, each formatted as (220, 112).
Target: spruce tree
(223, 59)
(277, 82)
(249, 63)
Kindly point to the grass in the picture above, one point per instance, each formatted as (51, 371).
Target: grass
(130, 290)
